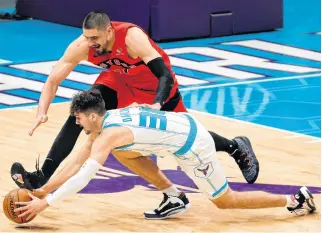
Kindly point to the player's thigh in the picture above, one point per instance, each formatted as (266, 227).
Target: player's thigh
(175, 104)
(201, 165)
(109, 95)
(207, 175)
(114, 92)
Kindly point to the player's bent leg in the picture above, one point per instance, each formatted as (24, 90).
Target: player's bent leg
(205, 170)
(239, 148)
(174, 202)
(175, 104)
(144, 167)
(248, 200)
(299, 203)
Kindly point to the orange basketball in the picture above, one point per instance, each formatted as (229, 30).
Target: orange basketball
(9, 206)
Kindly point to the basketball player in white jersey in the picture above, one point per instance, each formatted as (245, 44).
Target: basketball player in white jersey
(135, 132)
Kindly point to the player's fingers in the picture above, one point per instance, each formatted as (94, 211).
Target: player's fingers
(25, 213)
(34, 127)
(21, 203)
(30, 216)
(21, 209)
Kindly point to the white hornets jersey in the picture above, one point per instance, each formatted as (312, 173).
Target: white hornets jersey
(179, 134)
(155, 132)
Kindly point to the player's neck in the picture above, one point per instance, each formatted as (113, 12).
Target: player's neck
(111, 44)
(100, 123)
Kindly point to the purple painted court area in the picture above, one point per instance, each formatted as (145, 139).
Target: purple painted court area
(127, 182)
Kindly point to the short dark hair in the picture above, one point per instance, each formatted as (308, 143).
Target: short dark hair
(96, 19)
(87, 102)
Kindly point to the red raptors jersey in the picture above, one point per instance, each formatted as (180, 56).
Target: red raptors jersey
(132, 72)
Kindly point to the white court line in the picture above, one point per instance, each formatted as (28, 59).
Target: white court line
(4, 62)
(250, 82)
(209, 114)
(24, 108)
(255, 124)
(205, 113)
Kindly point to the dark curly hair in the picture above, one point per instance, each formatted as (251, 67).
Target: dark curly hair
(88, 101)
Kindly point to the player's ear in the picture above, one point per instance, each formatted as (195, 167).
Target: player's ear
(93, 117)
(109, 29)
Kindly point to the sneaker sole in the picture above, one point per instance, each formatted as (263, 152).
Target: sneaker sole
(308, 198)
(180, 210)
(249, 145)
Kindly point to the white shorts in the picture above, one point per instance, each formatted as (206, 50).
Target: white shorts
(201, 165)
(182, 136)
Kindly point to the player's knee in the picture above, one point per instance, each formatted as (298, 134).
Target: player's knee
(226, 200)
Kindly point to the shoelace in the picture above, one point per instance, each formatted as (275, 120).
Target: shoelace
(165, 197)
(38, 171)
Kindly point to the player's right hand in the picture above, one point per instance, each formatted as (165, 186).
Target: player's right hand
(40, 193)
(40, 119)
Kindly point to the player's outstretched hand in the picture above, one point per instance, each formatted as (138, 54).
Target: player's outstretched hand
(31, 208)
(40, 119)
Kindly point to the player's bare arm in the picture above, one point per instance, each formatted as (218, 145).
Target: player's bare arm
(109, 139)
(76, 52)
(138, 45)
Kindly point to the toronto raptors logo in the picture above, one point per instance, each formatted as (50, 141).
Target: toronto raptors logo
(118, 62)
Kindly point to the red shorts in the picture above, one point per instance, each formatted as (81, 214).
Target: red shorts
(127, 95)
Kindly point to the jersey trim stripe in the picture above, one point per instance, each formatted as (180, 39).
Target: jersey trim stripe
(191, 137)
(221, 189)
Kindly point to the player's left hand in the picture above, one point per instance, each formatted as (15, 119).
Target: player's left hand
(156, 106)
(31, 208)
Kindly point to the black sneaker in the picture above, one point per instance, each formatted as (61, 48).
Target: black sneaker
(27, 180)
(246, 159)
(169, 206)
(304, 199)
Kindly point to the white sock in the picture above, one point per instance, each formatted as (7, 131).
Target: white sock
(172, 191)
(291, 201)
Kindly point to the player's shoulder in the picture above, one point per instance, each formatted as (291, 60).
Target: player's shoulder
(135, 34)
(77, 49)
(79, 43)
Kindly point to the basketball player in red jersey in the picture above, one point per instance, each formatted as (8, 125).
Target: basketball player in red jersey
(136, 70)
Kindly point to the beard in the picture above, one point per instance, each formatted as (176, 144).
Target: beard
(100, 49)
(101, 52)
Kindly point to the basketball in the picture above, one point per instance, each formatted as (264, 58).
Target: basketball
(9, 205)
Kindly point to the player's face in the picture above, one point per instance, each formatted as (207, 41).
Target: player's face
(98, 39)
(85, 121)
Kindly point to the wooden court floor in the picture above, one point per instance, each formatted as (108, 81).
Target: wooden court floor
(284, 158)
